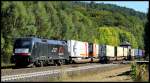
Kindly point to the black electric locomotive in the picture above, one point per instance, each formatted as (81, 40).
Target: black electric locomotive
(38, 52)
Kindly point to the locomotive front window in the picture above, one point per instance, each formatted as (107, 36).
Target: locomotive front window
(23, 43)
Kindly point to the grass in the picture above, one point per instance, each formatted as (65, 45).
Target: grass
(88, 75)
(4, 66)
(139, 72)
(64, 76)
(71, 76)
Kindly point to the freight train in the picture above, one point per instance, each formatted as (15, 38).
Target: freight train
(32, 51)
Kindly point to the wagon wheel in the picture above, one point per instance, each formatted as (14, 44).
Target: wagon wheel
(41, 63)
(60, 62)
(56, 62)
(33, 65)
(66, 62)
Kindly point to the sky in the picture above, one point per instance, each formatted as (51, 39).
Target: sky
(141, 6)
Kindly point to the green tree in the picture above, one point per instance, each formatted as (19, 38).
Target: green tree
(42, 23)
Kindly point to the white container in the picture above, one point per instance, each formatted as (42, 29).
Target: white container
(125, 52)
(132, 53)
(119, 51)
(77, 48)
(110, 51)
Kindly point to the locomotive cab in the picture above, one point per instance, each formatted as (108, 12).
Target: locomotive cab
(22, 51)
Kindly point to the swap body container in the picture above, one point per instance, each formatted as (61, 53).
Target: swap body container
(77, 49)
(138, 52)
(95, 50)
(107, 50)
(119, 51)
(110, 51)
(132, 53)
(125, 52)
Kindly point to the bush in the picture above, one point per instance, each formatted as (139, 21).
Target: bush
(139, 72)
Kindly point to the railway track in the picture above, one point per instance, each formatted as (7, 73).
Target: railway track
(12, 66)
(48, 71)
(13, 71)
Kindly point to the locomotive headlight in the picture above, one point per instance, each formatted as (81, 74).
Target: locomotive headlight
(29, 53)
